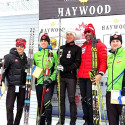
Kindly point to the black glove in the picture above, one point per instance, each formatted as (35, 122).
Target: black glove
(123, 91)
(47, 82)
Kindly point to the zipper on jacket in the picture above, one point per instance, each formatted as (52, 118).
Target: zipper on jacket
(112, 69)
(85, 58)
(21, 68)
(43, 59)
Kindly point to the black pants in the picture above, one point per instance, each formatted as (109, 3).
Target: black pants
(86, 93)
(113, 110)
(70, 85)
(47, 106)
(10, 99)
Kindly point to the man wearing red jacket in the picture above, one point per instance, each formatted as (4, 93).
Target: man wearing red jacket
(86, 66)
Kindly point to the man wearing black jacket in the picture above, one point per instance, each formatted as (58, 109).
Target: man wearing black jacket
(15, 63)
(69, 63)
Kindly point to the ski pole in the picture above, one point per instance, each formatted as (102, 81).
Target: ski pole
(102, 104)
(59, 72)
(99, 104)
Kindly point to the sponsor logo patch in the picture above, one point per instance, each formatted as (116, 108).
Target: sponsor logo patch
(16, 60)
(119, 61)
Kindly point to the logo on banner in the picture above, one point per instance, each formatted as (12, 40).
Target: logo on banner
(78, 101)
(78, 98)
(116, 20)
(115, 25)
(81, 28)
(48, 30)
(83, 1)
(52, 24)
(52, 27)
(53, 42)
(84, 10)
(80, 8)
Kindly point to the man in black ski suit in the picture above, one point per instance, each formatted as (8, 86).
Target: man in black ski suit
(14, 65)
(69, 62)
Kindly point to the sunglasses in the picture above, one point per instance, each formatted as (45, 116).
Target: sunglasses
(21, 46)
(88, 31)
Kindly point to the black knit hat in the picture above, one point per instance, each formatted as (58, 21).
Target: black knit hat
(45, 37)
(116, 37)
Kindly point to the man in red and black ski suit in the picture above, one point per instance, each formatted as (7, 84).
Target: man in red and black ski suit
(86, 66)
(14, 65)
(70, 60)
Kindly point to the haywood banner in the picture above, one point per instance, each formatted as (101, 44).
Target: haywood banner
(107, 16)
(49, 9)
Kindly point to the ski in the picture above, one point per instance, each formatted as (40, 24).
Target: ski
(122, 121)
(96, 90)
(2, 86)
(92, 73)
(95, 101)
(29, 77)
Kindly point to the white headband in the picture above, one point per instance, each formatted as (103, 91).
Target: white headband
(73, 33)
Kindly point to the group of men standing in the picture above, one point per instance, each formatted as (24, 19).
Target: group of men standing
(75, 63)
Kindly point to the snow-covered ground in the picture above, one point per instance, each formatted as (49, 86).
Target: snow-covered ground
(32, 117)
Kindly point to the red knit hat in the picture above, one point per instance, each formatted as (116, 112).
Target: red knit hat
(90, 27)
(21, 41)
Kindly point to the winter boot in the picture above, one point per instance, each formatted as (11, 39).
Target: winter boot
(61, 123)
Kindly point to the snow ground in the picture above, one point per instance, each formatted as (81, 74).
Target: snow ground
(32, 117)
